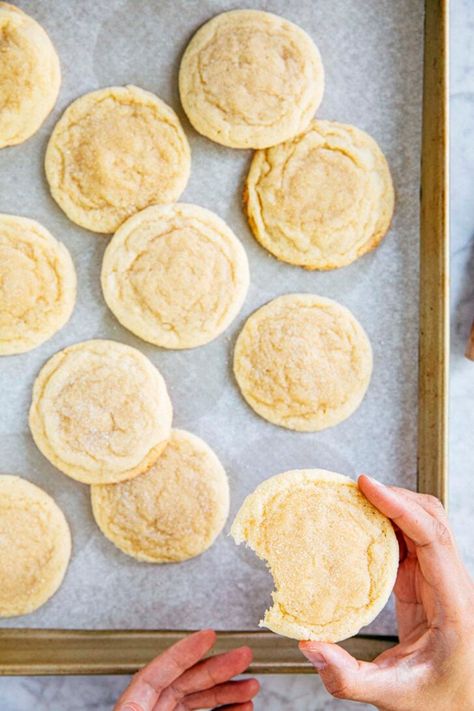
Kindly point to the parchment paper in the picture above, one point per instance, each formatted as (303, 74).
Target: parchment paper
(372, 52)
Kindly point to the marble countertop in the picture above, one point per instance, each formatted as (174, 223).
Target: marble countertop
(305, 693)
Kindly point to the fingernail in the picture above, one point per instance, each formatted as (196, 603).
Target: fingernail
(316, 659)
(375, 481)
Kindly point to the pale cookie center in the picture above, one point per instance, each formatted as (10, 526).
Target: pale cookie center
(102, 414)
(320, 191)
(252, 77)
(316, 198)
(303, 362)
(322, 561)
(24, 549)
(119, 155)
(170, 508)
(17, 71)
(26, 285)
(183, 279)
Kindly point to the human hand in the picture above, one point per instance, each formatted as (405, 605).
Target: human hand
(180, 680)
(431, 668)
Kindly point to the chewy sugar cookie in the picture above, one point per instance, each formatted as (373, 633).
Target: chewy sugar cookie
(333, 556)
(171, 513)
(30, 75)
(37, 284)
(35, 546)
(250, 79)
(114, 152)
(175, 275)
(100, 412)
(303, 362)
(322, 199)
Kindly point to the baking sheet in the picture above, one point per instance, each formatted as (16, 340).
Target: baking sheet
(372, 52)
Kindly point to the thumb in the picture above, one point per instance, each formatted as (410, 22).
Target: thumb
(347, 678)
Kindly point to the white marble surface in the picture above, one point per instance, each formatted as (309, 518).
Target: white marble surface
(306, 693)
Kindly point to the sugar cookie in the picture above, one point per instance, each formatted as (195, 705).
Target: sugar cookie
(30, 75)
(112, 153)
(37, 284)
(100, 412)
(172, 512)
(175, 275)
(303, 362)
(322, 199)
(333, 556)
(250, 79)
(35, 546)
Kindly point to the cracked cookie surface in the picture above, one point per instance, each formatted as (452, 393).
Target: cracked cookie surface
(30, 75)
(332, 554)
(37, 284)
(172, 512)
(35, 546)
(322, 199)
(175, 275)
(100, 412)
(303, 362)
(114, 152)
(250, 79)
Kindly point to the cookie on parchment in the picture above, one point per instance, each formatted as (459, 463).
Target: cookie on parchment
(250, 79)
(114, 152)
(30, 75)
(35, 546)
(100, 412)
(322, 199)
(171, 513)
(37, 284)
(303, 362)
(175, 275)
